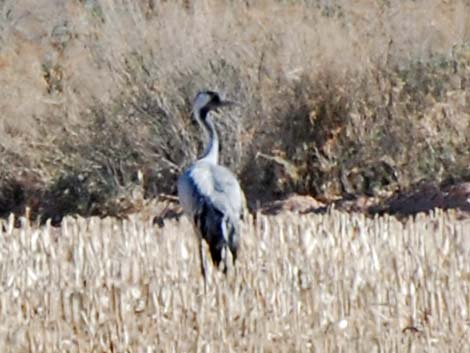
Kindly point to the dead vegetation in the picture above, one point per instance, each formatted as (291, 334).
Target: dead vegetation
(329, 283)
(340, 98)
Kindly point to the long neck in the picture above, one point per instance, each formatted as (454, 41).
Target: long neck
(211, 153)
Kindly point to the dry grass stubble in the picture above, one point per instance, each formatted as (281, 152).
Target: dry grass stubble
(332, 283)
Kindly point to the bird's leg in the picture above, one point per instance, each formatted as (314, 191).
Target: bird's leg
(203, 263)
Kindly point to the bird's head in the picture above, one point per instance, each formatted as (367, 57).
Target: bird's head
(206, 101)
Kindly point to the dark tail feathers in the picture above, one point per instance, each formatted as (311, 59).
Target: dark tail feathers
(219, 232)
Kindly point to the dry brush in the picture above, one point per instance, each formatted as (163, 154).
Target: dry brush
(340, 97)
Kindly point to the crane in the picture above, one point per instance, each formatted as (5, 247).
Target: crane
(209, 193)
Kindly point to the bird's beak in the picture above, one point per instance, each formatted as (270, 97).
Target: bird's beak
(227, 103)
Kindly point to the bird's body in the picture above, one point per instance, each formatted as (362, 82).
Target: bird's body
(212, 198)
(210, 194)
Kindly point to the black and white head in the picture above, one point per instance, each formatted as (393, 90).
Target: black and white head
(207, 101)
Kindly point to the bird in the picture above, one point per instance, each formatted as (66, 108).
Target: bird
(209, 193)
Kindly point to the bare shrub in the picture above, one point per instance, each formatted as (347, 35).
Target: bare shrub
(338, 98)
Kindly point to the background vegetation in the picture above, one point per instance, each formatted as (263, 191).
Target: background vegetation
(339, 98)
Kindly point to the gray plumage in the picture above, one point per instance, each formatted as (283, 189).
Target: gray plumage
(210, 193)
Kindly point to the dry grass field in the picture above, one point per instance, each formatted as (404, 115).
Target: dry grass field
(314, 283)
